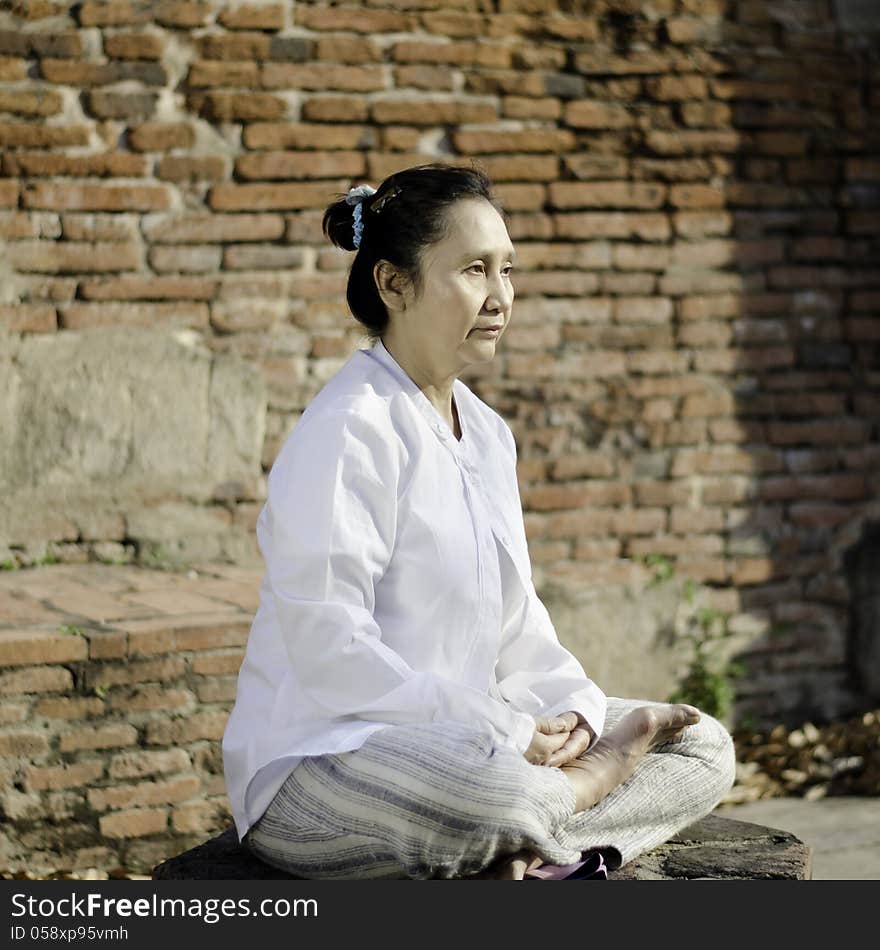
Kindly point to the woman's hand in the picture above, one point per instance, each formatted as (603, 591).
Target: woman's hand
(558, 740)
(550, 736)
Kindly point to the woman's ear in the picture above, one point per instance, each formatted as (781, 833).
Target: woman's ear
(392, 286)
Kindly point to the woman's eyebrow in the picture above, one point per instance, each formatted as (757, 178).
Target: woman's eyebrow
(508, 253)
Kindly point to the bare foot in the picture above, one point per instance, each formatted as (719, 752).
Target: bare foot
(615, 756)
(512, 867)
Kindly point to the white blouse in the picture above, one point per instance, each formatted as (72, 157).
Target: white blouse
(397, 586)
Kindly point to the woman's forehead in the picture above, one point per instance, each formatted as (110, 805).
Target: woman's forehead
(474, 225)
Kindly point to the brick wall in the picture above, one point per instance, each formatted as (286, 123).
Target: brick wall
(694, 190)
(115, 686)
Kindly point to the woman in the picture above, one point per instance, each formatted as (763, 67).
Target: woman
(405, 708)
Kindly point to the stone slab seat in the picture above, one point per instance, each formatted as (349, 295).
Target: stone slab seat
(712, 848)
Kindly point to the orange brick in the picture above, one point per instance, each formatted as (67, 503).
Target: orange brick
(664, 88)
(80, 316)
(11, 68)
(430, 78)
(522, 168)
(452, 53)
(69, 72)
(340, 49)
(586, 114)
(211, 664)
(355, 19)
(72, 257)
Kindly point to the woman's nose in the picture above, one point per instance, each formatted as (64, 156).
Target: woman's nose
(500, 295)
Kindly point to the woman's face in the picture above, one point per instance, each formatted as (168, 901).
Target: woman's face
(463, 304)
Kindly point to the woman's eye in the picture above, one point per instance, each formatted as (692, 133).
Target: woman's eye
(477, 268)
(507, 271)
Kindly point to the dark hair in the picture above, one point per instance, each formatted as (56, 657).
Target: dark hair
(407, 213)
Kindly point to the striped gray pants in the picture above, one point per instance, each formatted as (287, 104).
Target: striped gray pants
(439, 800)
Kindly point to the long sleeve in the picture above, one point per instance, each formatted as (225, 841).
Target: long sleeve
(330, 538)
(535, 673)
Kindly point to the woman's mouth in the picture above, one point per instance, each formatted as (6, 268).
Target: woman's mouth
(488, 331)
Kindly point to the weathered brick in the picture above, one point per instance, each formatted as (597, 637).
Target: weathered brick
(344, 49)
(221, 228)
(135, 823)
(129, 106)
(148, 699)
(100, 227)
(524, 107)
(23, 744)
(648, 227)
(70, 72)
(210, 664)
(36, 102)
(161, 136)
(241, 47)
(88, 197)
(74, 775)
(323, 76)
(24, 647)
(117, 13)
(185, 258)
(200, 818)
(27, 135)
(28, 318)
(452, 53)
(606, 194)
(43, 679)
(105, 164)
(305, 136)
(261, 257)
(137, 764)
(430, 78)
(696, 196)
(521, 167)
(102, 737)
(148, 288)
(431, 112)
(83, 707)
(270, 197)
(12, 68)
(295, 165)
(147, 671)
(204, 724)
(531, 140)
(355, 19)
(134, 45)
(238, 107)
(67, 257)
(80, 316)
(217, 689)
(191, 168)
(595, 114)
(253, 17)
(220, 73)
(146, 793)
(575, 495)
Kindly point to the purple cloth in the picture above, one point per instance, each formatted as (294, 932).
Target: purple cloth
(591, 868)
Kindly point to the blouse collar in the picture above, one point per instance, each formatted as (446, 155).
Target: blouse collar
(437, 423)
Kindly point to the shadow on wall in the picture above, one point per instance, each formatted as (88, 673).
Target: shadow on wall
(798, 356)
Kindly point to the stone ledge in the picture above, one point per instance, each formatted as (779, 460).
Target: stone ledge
(713, 848)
